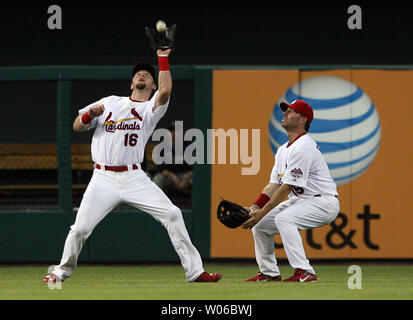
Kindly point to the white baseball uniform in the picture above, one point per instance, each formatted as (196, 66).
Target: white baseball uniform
(312, 203)
(120, 136)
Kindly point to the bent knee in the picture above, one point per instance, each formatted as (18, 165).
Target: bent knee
(282, 219)
(259, 228)
(80, 232)
(175, 214)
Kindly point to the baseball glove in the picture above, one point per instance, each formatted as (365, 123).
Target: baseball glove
(161, 40)
(231, 214)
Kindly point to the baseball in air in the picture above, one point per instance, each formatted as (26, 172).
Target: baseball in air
(161, 26)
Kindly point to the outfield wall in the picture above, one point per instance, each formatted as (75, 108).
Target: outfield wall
(376, 207)
(362, 126)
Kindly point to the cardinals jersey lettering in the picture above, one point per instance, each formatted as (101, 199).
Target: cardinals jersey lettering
(122, 131)
(302, 165)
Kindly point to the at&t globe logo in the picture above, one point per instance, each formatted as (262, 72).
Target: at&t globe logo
(346, 124)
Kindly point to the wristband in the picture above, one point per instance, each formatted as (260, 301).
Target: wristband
(163, 62)
(262, 200)
(86, 119)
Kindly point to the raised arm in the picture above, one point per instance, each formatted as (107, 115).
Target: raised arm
(164, 79)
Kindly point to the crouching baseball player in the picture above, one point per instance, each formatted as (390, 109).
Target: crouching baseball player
(301, 173)
(123, 126)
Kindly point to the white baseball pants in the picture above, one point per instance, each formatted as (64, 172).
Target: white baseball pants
(287, 219)
(105, 191)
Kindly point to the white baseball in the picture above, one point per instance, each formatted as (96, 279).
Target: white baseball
(161, 26)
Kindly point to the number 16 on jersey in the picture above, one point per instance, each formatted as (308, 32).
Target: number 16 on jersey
(130, 139)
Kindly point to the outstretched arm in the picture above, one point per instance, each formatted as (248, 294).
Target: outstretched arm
(164, 80)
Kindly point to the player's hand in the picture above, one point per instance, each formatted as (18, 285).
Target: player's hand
(96, 110)
(256, 216)
(253, 208)
(163, 52)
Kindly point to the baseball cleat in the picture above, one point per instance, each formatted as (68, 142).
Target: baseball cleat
(301, 275)
(262, 277)
(209, 277)
(52, 278)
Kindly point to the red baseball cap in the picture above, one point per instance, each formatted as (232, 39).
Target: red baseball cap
(299, 106)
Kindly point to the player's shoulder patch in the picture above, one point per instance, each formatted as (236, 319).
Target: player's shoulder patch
(297, 173)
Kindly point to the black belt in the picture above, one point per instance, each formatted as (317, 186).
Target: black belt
(319, 195)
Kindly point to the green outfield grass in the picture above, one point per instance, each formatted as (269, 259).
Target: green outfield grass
(167, 282)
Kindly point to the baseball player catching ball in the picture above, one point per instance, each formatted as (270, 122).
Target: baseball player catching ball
(301, 173)
(123, 126)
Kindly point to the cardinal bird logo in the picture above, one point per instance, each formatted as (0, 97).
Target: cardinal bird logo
(108, 117)
(136, 114)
